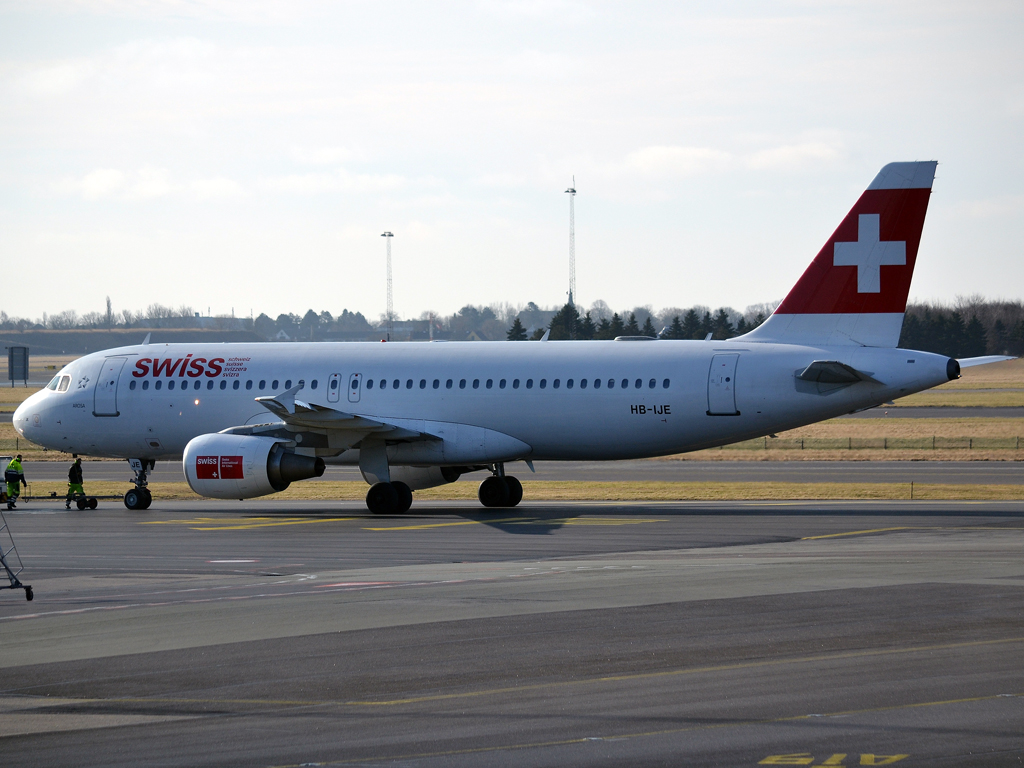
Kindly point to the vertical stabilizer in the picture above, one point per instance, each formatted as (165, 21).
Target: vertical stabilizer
(855, 291)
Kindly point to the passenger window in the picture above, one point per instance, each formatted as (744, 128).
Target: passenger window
(437, 383)
(611, 383)
(568, 384)
(448, 384)
(555, 383)
(664, 384)
(543, 383)
(197, 384)
(263, 384)
(235, 383)
(273, 384)
(476, 383)
(383, 384)
(132, 385)
(395, 384)
(223, 384)
(597, 383)
(462, 383)
(287, 384)
(651, 384)
(334, 384)
(423, 383)
(490, 383)
(583, 383)
(501, 384)
(170, 384)
(408, 383)
(515, 383)
(302, 383)
(160, 384)
(248, 384)
(369, 383)
(65, 382)
(209, 384)
(625, 383)
(145, 386)
(529, 383)
(313, 384)
(638, 383)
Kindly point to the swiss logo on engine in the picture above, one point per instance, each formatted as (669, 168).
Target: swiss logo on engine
(219, 468)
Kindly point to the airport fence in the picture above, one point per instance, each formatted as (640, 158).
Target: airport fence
(925, 443)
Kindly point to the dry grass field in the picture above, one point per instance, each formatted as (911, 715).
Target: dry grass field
(594, 491)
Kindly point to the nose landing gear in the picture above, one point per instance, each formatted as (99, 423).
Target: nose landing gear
(139, 497)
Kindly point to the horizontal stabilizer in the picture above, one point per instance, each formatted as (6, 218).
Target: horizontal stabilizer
(833, 372)
(970, 362)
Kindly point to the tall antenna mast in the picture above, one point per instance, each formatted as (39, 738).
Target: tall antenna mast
(571, 191)
(391, 314)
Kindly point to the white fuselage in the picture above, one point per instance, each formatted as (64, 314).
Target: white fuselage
(653, 397)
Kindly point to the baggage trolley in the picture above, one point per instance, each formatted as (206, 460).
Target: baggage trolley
(10, 559)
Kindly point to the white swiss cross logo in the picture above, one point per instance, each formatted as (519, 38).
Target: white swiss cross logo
(869, 253)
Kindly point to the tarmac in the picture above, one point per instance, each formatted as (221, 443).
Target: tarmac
(270, 633)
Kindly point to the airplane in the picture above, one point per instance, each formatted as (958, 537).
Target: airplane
(246, 420)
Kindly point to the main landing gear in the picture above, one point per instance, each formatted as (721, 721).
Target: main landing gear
(500, 490)
(389, 498)
(139, 497)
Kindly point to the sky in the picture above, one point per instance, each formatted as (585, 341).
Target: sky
(246, 155)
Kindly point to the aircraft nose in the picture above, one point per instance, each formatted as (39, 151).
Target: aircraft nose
(20, 418)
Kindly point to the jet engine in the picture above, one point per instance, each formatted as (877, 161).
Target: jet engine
(418, 478)
(223, 466)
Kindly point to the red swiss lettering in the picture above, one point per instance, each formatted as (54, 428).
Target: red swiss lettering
(195, 368)
(164, 367)
(214, 367)
(141, 367)
(207, 468)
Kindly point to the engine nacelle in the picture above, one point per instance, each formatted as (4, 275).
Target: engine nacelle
(244, 466)
(418, 478)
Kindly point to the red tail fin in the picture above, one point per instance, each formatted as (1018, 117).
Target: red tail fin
(855, 291)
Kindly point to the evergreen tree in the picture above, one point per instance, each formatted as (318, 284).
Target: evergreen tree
(516, 332)
(707, 325)
(632, 328)
(975, 339)
(675, 331)
(722, 327)
(586, 329)
(616, 327)
(564, 324)
(999, 337)
(648, 329)
(538, 334)
(691, 326)
(604, 329)
(741, 326)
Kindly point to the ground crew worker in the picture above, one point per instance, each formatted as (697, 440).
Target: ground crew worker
(15, 478)
(75, 488)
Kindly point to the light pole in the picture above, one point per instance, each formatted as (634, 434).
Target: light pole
(391, 322)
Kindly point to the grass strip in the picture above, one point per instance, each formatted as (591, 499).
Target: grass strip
(321, 490)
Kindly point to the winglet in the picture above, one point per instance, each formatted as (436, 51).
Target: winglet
(146, 340)
(282, 404)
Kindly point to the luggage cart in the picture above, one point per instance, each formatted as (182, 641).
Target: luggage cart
(10, 559)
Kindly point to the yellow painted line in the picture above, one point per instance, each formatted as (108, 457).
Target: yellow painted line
(248, 526)
(425, 526)
(855, 533)
(233, 524)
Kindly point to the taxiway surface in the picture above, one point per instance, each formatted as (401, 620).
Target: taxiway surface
(586, 634)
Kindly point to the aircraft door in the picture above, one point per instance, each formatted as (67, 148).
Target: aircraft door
(334, 388)
(105, 394)
(722, 386)
(355, 385)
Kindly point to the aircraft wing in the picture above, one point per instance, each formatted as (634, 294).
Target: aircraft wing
(969, 362)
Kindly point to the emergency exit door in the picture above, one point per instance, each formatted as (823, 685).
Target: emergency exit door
(355, 385)
(334, 388)
(722, 386)
(105, 394)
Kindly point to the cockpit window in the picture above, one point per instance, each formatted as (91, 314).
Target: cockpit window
(65, 382)
(53, 382)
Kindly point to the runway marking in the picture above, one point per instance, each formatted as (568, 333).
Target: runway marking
(527, 521)
(233, 524)
(855, 533)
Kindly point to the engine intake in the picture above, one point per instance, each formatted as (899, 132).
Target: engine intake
(224, 466)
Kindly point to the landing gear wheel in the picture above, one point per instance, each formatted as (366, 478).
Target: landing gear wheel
(28, 594)
(515, 490)
(382, 499)
(494, 492)
(93, 503)
(404, 496)
(134, 499)
(147, 498)
(81, 502)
